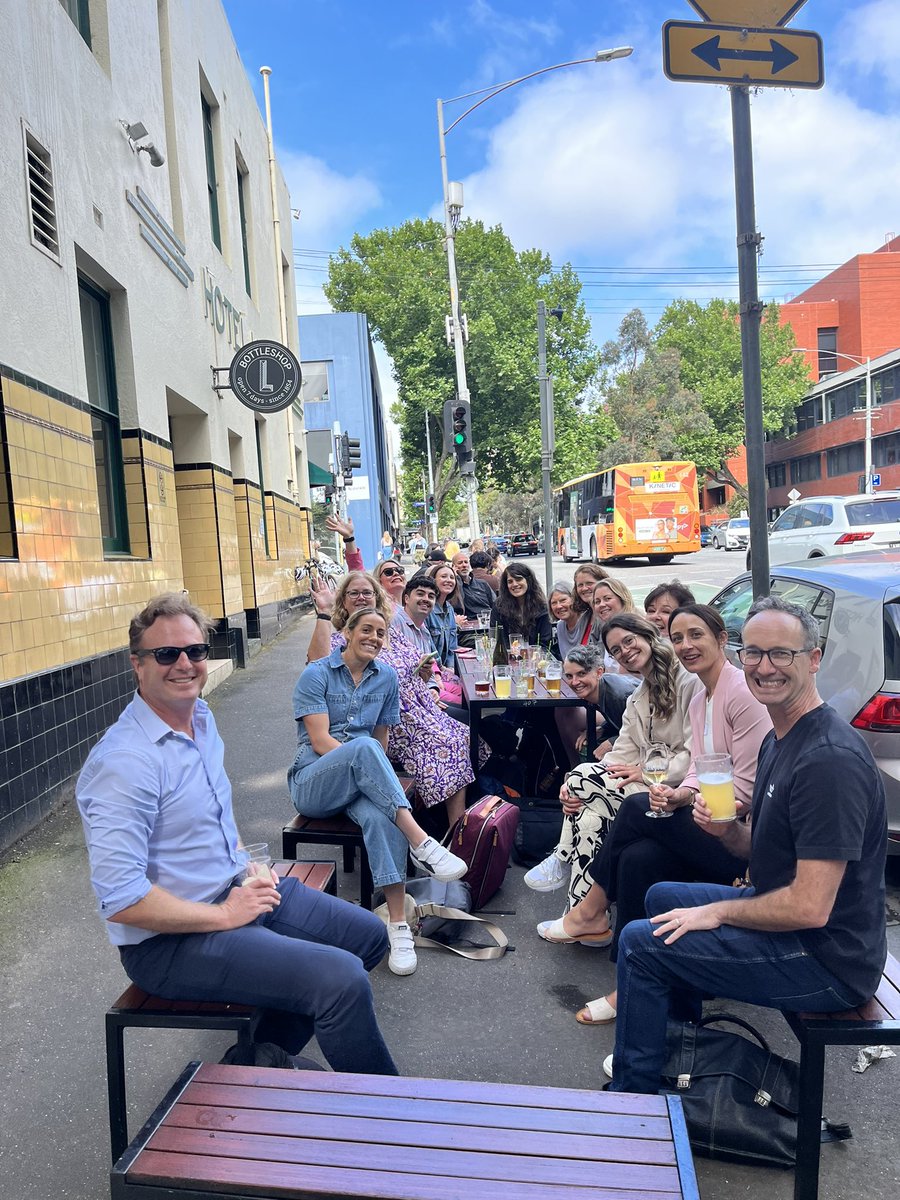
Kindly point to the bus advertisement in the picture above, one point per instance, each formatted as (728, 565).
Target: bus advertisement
(649, 509)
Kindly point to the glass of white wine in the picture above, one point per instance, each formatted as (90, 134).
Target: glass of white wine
(655, 769)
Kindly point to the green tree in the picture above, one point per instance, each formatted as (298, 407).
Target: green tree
(398, 277)
(708, 341)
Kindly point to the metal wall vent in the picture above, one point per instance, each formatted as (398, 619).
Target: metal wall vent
(41, 197)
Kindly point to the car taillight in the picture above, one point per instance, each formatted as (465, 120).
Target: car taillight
(880, 715)
(862, 536)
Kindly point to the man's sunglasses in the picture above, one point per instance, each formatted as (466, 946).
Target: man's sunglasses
(166, 656)
(390, 571)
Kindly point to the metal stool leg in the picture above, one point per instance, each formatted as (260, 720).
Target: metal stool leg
(115, 1085)
(809, 1121)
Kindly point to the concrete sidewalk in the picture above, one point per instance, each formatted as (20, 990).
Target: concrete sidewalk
(510, 1021)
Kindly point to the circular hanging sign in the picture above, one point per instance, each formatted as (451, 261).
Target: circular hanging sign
(265, 376)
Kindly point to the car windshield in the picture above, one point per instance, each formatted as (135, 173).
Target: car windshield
(874, 512)
(740, 523)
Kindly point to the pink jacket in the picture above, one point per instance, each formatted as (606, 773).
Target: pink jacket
(739, 725)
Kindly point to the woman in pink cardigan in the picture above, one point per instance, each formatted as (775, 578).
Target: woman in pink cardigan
(725, 719)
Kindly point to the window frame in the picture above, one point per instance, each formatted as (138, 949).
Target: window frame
(212, 183)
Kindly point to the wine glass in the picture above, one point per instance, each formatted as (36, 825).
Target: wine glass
(655, 769)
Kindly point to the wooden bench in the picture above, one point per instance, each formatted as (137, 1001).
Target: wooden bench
(874, 1024)
(228, 1131)
(136, 1009)
(338, 831)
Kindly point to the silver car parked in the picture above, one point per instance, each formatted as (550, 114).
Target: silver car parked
(856, 599)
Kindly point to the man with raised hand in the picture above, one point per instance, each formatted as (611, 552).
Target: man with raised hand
(166, 868)
(809, 934)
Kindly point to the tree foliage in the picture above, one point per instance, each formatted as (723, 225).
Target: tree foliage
(398, 277)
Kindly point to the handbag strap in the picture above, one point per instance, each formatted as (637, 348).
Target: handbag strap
(728, 1019)
(483, 953)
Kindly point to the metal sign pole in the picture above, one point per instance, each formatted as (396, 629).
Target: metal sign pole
(748, 242)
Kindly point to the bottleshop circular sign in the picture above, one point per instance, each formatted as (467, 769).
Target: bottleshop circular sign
(265, 376)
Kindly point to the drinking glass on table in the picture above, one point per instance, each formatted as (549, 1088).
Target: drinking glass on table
(715, 774)
(258, 864)
(553, 677)
(502, 682)
(484, 619)
(483, 679)
(655, 769)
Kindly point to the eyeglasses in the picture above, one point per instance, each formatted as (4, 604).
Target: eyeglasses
(388, 572)
(367, 595)
(167, 656)
(752, 656)
(626, 643)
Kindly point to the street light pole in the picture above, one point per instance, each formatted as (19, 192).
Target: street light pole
(453, 203)
(867, 362)
(548, 440)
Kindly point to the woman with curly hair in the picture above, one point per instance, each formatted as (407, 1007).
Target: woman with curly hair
(522, 607)
(657, 711)
(428, 744)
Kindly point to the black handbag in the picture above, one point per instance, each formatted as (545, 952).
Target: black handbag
(740, 1099)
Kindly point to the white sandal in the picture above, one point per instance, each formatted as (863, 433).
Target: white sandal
(599, 1012)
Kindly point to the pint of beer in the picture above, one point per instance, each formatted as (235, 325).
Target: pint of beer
(716, 777)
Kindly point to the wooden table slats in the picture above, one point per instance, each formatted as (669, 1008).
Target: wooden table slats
(244, 1132)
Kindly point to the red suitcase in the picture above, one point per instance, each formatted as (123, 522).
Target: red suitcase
(483, 836)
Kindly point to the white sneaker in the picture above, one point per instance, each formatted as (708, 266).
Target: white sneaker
(402, 959)
(439, 862)
(608, 1066)
(548, 875)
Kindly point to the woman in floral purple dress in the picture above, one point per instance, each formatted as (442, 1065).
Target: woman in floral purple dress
(428, 744)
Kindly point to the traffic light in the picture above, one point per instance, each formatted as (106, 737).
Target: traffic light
(429, 507)
(458, 429)
(351, 456)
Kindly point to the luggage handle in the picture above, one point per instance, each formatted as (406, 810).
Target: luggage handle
(483, 953)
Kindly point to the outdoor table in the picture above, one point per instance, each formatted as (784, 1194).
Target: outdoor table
(227, 1132)
(519, 697)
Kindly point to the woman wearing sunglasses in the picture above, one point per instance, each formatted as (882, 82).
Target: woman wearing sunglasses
(427, 744)
(656, 712)
(725, 718)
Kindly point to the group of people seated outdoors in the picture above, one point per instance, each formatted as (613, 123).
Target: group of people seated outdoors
(781, 905)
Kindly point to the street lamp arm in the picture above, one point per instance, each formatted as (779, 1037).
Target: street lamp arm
(496, 89)
(860, 362)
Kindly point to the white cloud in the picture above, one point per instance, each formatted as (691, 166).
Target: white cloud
(867, 39)
(329, 202)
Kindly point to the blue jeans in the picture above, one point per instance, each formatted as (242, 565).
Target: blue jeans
(357, 778)
(305, 965)
(657, 981)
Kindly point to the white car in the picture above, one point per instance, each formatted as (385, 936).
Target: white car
(835, 525)
(733, 535)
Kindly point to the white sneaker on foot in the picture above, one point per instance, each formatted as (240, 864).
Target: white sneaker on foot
(402, 959)
(439, 862)
(547, 876)
(608, 1066)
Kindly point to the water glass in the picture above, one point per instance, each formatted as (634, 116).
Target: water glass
(258, 864)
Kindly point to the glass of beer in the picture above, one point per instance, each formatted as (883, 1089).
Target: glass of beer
(553, 677)
(502, 682)
(258, 864)
(715, 775)
(483, 680)
(654, 769)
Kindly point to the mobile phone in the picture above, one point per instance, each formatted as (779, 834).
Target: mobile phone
(427, 659)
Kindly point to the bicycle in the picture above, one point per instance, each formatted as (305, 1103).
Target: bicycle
(318, 572)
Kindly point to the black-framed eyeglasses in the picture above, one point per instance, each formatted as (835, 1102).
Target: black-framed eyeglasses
(388, 571)
(752, 656)
(626, 643)
(167, 656)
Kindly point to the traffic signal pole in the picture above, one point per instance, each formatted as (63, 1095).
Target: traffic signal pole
(431, 519)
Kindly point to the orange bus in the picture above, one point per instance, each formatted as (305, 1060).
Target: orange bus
(647, 508)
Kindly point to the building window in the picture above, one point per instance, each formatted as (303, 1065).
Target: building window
(242, 210)
(805, 470)
(776, 475)
(314, 389)
(845, 400)
(100, 368)
(827, 346)
(41, 197)
(79, 13)
(846, 460)
(886, 450)
(211, 185)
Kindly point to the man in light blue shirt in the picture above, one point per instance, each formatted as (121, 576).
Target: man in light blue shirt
(165, 864)
(419, 596)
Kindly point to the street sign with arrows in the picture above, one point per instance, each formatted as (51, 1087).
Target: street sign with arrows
(704, 53)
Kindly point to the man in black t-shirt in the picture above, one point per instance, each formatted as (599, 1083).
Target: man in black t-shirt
(809, 934)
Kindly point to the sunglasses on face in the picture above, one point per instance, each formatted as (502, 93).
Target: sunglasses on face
(388, 572)
(167, 656)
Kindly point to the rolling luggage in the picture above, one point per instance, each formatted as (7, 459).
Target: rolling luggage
(484, 836)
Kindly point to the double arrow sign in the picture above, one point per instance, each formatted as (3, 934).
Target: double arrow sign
(739, 50)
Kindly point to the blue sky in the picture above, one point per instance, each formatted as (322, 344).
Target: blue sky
(611, 167)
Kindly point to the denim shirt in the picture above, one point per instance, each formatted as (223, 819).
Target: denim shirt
(441, 624)
(354, 710)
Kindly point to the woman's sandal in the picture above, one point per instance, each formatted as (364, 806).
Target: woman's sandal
(596, 1012)
(554, 931)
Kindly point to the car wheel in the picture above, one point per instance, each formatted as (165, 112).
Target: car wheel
(715, 544)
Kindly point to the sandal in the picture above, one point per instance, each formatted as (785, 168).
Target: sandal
(554, 931)
(596, 1012)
